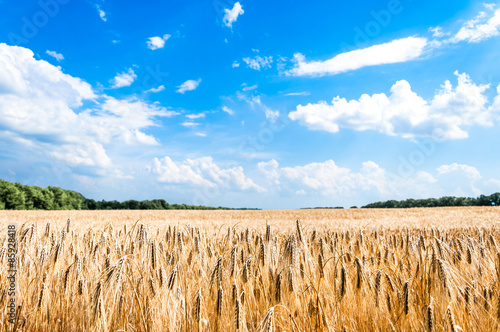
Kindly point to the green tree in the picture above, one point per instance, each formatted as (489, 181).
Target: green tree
(61, 199)
(11, 196)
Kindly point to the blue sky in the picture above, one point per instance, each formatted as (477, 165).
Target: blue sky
(251, 104)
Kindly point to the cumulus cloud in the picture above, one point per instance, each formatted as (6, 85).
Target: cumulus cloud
(42, 107)
(189, 85)
(396, 51)
(156, 42)
(123, 79)
(470, 172)
(55, 55)
(493, 185)
(328, 179)
(461, 180)
(485, 25)
(230, 16)
(371, 180)
(116, 116)
(447, 116)
(495, 106)
(202, 172)
(259, 62)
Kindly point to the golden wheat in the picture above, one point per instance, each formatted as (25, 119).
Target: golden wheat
(272, 274)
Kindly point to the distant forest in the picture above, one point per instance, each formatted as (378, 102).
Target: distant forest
(491, 200)
(15, 196)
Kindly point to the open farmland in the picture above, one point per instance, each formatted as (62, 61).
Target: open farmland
(334, 270)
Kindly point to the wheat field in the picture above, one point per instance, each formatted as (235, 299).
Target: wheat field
(272, 270)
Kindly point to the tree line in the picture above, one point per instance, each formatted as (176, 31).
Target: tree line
(483, 200)
(16, 196)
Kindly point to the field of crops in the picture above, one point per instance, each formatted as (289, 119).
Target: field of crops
(281, 270)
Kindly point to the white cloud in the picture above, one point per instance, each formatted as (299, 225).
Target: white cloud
(254, 101)
(483, 26)
(270, 169)
(190, 124)
(130, 113)
(396, 51)
(155, 43)
(259, 62)
(202, 172)
(123, 79)
(425, 177)
(271, 115)
(42, 109)
(189, 85)
(86, 153)
(156, 90)
(494, 184)
(55, 55)
(195, 116)
(437, 32)
(403, 112)
(230, 16)
(249, 88)
(303, 93)
(235, 64)
(336, 182)
(326, 178)
(201, 134)
(495, 107)
(101, 13)
(470, 172)
(460, 180)
(227, 110)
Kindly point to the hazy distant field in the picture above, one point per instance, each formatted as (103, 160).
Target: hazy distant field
(335, 270)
